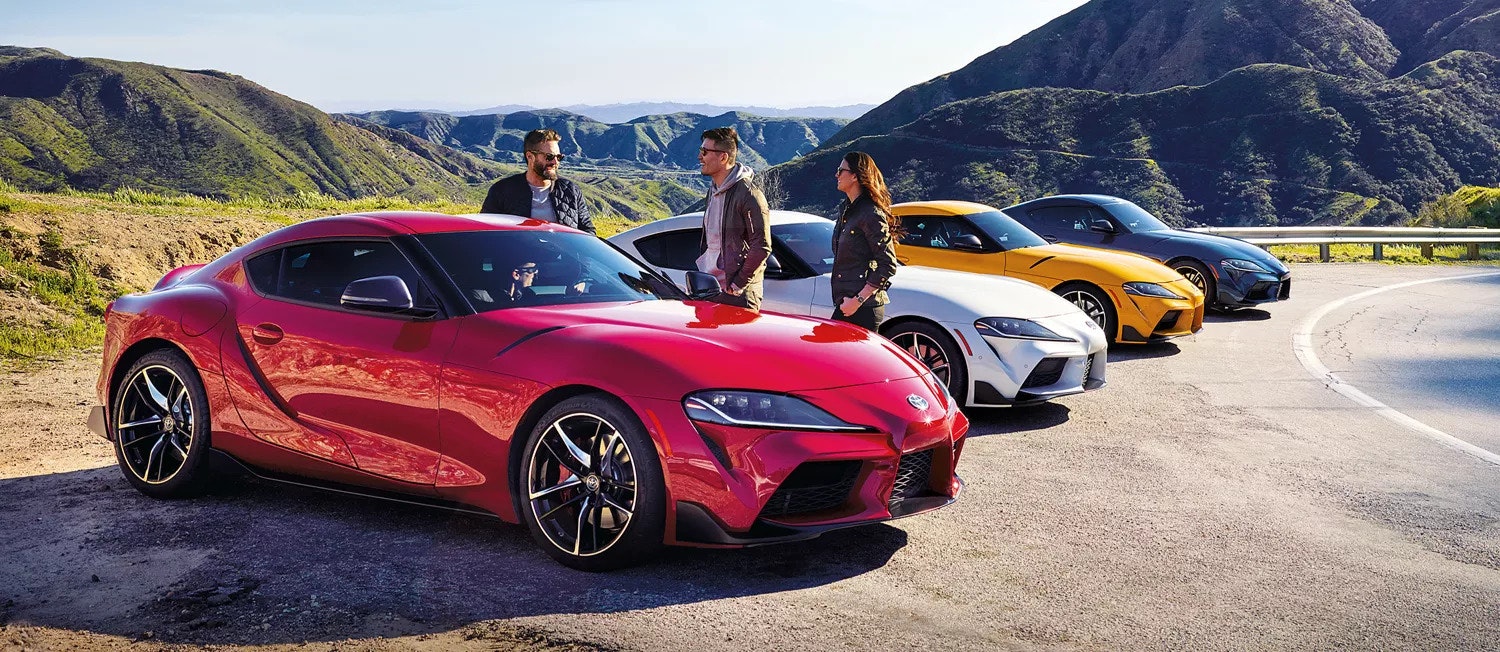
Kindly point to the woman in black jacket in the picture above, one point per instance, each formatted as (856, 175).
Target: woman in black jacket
(864, 255)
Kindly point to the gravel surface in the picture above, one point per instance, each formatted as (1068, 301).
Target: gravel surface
(1214, 496)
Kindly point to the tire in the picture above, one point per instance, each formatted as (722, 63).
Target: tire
(1199, 275)
(587, 462)
(1094, 303)
(937, 350)
(161, 421)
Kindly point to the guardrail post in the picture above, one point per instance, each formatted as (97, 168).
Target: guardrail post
(1473, 251)
(1323, 252)
(1427, 251)
(1379, 251)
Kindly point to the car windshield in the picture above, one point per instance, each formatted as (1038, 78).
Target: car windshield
(810, 241)
(505, 269)
(1006, 231)
(1135, 218)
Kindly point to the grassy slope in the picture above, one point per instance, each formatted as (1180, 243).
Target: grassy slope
(63, 256)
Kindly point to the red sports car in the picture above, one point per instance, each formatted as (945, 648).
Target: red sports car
(525, 370)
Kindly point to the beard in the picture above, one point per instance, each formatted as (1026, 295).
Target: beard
(541, 170)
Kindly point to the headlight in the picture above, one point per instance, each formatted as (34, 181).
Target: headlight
(1022, 329)
(1150, 290)
(1238, 265)
(728, 407)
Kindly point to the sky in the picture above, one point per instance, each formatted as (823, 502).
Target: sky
(348, 55)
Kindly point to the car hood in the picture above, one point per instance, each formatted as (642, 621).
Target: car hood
(700, 343)
(1213, 248)
(917, 289)
(1130, 267)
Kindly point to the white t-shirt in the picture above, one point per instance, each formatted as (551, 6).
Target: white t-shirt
(541, 204)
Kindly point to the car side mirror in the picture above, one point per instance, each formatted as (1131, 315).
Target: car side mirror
(377, 294)
(702, 285)
(1101, 226)
(969, 242)
(774, 268)
(1052, 239)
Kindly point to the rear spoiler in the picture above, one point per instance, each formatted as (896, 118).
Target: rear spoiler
(175, 276)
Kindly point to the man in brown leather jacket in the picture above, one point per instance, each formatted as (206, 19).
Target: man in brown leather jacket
(736, 225)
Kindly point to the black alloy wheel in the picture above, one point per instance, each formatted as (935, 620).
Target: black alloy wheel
(161, 426)
(591, 485)
(1094, 303)
(1199, 275)
(938, 351)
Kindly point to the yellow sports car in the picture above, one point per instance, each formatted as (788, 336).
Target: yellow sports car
(1133, 298)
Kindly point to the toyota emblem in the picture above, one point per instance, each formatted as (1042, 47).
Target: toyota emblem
(916, 401)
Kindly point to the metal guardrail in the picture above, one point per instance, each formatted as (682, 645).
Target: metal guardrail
(1375, 236)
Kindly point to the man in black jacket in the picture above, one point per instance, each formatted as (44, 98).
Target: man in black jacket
(539, 193)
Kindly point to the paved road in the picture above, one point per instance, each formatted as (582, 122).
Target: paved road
(1215, 496)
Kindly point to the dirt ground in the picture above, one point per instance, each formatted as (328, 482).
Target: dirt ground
(1215, 496)
(69, 558)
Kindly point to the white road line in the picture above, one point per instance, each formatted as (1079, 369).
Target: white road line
(1302, 345)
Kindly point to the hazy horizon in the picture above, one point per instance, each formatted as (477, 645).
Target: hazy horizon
(381, 54)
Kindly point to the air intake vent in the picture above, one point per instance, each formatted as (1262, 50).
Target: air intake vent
(813, 487)
(912, 476)
(1047, 372)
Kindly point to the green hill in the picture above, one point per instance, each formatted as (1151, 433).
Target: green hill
(1264, 144)
(651, 142)
(97, 124)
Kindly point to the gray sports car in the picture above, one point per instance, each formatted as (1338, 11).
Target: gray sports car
(1232, 273)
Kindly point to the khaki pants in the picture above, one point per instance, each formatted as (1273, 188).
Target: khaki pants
(750, 298)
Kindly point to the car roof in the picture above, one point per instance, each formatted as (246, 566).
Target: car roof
(690, 220)
(943, 207)
(1069, 200)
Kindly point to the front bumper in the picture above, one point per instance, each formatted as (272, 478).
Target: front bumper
(1253, 289)
(1024, 372)
(1153, 319)
(735, 486)
(696, 526)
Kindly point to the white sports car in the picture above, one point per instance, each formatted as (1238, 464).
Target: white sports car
(995, 341)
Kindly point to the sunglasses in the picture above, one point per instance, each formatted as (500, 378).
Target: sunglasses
(526, 270)
(843, 170)
(548, 156)
(703, 151)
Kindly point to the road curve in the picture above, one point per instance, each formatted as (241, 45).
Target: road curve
(1216, 495)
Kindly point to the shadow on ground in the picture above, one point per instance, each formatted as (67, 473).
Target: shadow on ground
(1243, 314)
(259, 563)
(1005, 421)
(1128, 352)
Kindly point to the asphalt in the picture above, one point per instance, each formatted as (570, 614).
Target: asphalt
(1216, 495)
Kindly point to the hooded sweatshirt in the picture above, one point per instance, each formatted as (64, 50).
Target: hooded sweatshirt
(713, 218)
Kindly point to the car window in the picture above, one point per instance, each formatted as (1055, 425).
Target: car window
(318, 272)
(672, 249)
(1060, 219)
(1004, 230)
(1134, 218)
(937, 232)
(504, 269)
(811, 242)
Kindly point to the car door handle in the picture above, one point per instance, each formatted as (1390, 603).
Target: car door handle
(267, 333)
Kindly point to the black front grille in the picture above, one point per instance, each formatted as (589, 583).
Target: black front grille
(1047, 372)
(813, 487)
(1262, 291)
(912, 477)
(1286, 290)
(1169, 320)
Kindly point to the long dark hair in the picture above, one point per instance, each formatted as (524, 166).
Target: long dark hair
(872, 182)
